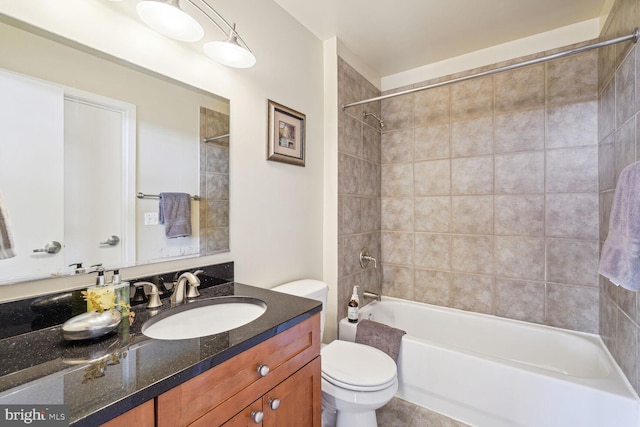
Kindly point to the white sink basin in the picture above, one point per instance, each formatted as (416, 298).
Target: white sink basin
(205, 317)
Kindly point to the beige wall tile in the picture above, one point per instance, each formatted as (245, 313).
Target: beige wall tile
(520, 257)
(432, 214)
(351, 139)
(432, 178)
(472, 137)
(520, 300)
(397, 214)
(607, 111)
(472, 254)
(472, 214)
(432, 142)
(625, 90)
(520, 131)
(397, 180)
(371, 149)
(520, 89)
(432, 287)
(472, 175)
(397, 248)
(573, 261)
(432, 106)
(397, 281)
(472, 98)
(371, 214)
(520, 173)
(350, 215)
(432, 251)
(572, 170)
(519, 215)
(348, 174)
(572, 125)
(473, 293)
(397, 146)
(397, 112)
(572, 307)
(572, 79)
(572, 215)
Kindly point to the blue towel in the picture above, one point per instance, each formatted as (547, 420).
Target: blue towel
(175, 213)
(620, 257)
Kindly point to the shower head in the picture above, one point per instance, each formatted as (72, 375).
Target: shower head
(380, 122)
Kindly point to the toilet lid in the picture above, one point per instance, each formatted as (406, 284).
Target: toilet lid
(357, 366)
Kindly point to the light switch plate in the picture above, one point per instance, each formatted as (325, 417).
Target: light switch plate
(151, 218)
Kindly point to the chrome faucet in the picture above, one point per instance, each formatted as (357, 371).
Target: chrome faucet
(180, 294)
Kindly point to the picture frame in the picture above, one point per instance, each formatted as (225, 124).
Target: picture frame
(286, 140)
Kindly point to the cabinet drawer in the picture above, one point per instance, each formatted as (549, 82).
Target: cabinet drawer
(284, 354)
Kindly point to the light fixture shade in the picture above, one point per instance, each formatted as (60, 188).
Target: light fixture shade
(168, 19)
(230, 53)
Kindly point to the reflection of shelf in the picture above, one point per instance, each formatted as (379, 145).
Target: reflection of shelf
(156, 196)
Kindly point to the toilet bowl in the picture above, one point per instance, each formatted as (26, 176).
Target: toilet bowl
(356, 379)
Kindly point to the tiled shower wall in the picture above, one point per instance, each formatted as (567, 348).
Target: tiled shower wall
(358, 186)
(618, 123)
(214, 182)
(490, 194)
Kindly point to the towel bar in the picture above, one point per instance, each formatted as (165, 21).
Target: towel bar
(156, 196)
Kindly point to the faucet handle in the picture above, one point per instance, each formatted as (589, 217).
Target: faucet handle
(154, 294)
(192, 288)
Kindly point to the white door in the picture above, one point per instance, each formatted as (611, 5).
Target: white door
(31, 173)
(93, 151)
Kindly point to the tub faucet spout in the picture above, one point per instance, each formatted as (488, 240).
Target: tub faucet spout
(375, 296)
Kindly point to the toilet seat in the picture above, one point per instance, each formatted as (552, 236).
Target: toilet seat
(357, 367)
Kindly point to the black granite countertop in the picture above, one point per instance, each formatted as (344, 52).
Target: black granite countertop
(102, 379)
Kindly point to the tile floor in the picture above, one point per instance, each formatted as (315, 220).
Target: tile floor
(400, 413)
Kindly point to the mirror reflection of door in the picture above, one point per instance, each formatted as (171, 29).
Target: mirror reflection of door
(94, 141)
(62, 155)
(31, 172)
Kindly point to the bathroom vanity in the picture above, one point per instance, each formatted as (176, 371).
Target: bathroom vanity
(266, 372)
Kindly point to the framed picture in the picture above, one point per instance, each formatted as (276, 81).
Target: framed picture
(286, 142)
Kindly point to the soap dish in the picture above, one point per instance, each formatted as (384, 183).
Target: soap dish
(91, 325)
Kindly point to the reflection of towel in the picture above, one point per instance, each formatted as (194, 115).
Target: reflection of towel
(380, 336)
(175, 214)
(6, 242)
(620, 257)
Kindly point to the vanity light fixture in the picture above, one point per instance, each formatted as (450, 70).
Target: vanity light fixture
(166, 18)
(169, 19)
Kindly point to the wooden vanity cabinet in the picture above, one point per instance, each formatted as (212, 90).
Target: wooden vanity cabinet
(228, 393)
(288, 404)
(140, 416)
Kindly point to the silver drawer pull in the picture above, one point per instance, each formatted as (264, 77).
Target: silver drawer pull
(51, 247)
(257, 416)
(263, 370)
(274, 403)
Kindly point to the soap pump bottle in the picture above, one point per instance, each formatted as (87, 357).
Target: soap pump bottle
(101, 293)
(121, 290)
(352, 307)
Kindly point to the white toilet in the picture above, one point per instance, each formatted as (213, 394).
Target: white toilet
(356, 379)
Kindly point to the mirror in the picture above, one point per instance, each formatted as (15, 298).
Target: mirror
(156, 136)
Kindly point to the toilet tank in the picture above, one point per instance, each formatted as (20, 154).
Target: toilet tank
(308, 288)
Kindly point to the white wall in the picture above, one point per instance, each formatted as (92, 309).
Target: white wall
(276, 209)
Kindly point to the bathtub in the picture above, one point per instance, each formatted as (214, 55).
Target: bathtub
(494, 372)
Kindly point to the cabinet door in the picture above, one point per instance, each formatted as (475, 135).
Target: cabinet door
(296, 401)
(251, 416)
(141, 416)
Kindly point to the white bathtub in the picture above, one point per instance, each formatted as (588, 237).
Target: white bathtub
(493, 372)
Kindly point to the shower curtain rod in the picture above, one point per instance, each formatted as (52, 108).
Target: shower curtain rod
(633, 37)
